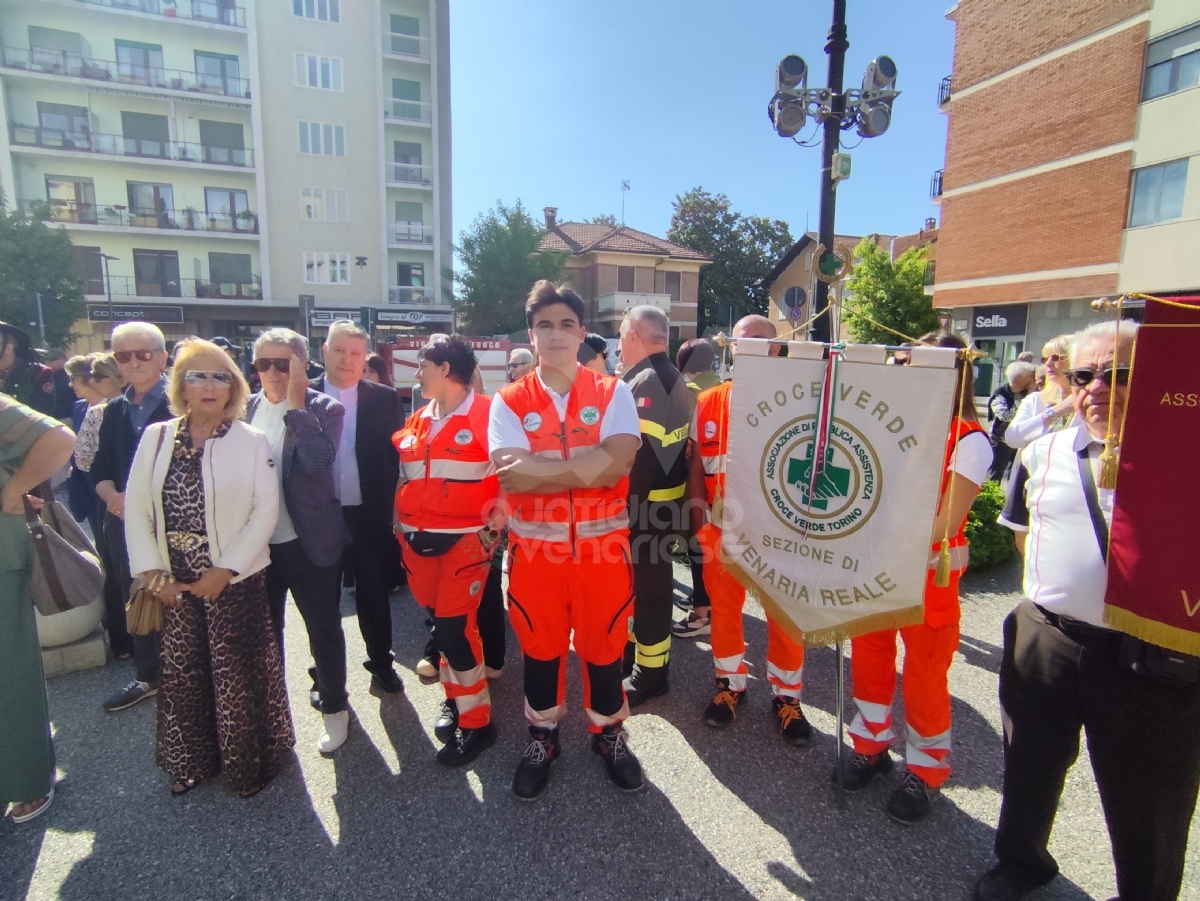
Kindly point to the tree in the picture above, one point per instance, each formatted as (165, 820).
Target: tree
(36, 259)
(743, 250)
(891, 293)
(500, 262)
(604, 219)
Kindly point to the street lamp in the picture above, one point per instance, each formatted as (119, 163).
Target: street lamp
(108, 289)
(867, 110)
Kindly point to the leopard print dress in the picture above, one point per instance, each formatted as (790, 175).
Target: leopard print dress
(222, 704)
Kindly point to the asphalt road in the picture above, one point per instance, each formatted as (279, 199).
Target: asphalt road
(732, 814)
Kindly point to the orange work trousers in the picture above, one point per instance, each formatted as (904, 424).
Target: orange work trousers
(553, 592)
(785, 656)
(450, 587)
(929, 650)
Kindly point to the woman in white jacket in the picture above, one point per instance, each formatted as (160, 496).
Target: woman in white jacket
(1050, 408)
(200, 507)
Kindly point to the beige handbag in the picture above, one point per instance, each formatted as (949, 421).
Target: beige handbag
(66, 570)
(144, 611)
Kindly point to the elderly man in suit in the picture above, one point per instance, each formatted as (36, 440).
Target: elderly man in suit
(304, 428)
(365, 472)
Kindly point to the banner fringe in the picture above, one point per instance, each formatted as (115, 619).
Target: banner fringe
(1161, 634)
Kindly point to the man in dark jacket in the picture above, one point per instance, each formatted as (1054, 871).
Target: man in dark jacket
(365, 472)
(304, 428)
(1002, 407)
(141, 353)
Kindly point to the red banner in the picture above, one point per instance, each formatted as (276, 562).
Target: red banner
(1153, 563)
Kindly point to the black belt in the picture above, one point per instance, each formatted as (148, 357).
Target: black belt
(1077, 628)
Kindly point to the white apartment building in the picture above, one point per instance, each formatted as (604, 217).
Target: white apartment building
(225, 168)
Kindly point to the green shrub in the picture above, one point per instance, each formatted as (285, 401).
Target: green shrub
(991, 543)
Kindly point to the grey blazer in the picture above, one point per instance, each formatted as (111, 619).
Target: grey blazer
(310, 444)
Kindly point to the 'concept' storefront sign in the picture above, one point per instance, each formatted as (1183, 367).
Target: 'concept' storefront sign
(127, 312)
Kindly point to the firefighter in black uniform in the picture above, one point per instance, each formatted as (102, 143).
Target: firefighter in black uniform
(657, 489)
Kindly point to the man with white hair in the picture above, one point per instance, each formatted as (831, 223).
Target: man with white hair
(1002, 407)
(657, 489)
(1063, 670)
(520, 361)
(141, 352)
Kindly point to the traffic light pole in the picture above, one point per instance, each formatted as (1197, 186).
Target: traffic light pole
(836, 48)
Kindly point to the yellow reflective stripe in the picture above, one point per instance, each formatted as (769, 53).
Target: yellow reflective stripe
(667, 494)
(654, 430)
(653, 656)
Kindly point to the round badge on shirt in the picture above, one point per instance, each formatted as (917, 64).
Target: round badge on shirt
(463, 436)
(532, 422)
(589, 415)
(710, 429)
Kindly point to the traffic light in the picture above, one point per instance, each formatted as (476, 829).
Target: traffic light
(875, 100)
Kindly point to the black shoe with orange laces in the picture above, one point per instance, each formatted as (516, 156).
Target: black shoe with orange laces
(722, 710)
(794, 728)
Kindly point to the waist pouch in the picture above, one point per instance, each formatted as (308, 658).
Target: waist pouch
(1158, 664)
(431, 544)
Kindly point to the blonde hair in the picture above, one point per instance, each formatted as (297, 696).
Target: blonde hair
(1059, 346)
(185, 353)
(105, 366)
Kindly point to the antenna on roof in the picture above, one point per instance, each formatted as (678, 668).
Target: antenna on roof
(624, 188)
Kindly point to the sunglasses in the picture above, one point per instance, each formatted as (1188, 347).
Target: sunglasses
(198, 377)
(144, 356)
(262, 364)
(1083, 377)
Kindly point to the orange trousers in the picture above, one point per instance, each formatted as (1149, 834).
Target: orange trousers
(785, 656)
(450, 587)
(928, 652)
(553, 593)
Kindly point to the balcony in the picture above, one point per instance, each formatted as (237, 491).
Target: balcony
(118, 145)
(408, 234)
(118, 216)
(414, 296)
(216, 12)
(201, 289)
(409, 175)
(944, 91)
(45, 61)
(411, 111)
(613, 306)
(935, 185)
(406, 45)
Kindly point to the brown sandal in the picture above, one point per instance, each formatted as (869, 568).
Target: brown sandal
(183, 786)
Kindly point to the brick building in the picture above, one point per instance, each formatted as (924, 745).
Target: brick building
(616, 267)
(1072, 128)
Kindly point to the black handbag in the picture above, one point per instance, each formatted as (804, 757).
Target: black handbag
(431, 544)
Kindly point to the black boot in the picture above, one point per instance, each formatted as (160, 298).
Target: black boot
(446, 722)
(467, 744)
(912, 801)
(533, 772)
(647, 682)
(862, 769)
(722, 709)
(384, 677)
(612, 744)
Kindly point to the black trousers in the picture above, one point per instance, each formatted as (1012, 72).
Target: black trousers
(368, 556)
(119, 638)
(1144, 742)
(145, 647)
(651, 534)
(317, 591)
(1002, 458)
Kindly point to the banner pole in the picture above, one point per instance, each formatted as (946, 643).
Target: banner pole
(841, 724)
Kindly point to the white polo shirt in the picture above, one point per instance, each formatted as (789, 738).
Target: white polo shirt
(1064, 570)
(505, 429)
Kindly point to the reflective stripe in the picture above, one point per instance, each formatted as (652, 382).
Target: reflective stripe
(667, 494)
(960, 556)
(790, 680)
(413, 471)
(601, 720)
(734, 669)
(539, 531)
(714, 464)
(927, 752)
(544, 719)
(654, 430)
(596, 527)
(879, 715)
(460, 471)
(654, 655)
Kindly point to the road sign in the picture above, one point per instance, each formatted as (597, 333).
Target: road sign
(795, 313)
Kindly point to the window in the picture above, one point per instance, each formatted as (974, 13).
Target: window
(318, 72)
(625, 278)
(320, 139)
(406, 35)
(223, 142)
(60, 117)
(71, 199)
(228, 210)
(156, 273)
(671, 285)
(324, 205)
(140, 63)
(145, 134)
(230, 269)
(220, 74)
(89, 268)
(1158, 193)
(1172, 63)
(322, 10)
(151, 205)
(410, 275)
(322, 268)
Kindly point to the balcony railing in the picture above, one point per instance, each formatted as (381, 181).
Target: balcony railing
(412, 295)
(406, 45)
(935, 184)
(62, 62)
(120, 216)
(119, 145)
(409, 174)
(129, 286)
(220, 12)
(409, 233)
(408, 111)
(944, 91)
(620, 301)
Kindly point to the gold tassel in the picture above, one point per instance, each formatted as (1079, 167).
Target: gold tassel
(1110, 463)
(941, 576)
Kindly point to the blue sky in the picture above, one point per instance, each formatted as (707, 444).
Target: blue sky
(556, 101)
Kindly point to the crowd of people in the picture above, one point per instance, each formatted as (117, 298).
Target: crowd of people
(583, 486)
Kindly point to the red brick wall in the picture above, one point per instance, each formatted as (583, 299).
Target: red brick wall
(1051, 289)
(1070, 105)
(996, 35)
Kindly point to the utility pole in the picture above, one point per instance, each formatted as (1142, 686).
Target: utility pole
(836, 48)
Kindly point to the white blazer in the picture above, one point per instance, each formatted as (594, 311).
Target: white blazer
(241, 499)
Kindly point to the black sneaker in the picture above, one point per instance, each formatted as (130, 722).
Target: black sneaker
(131, 694)
(647, 682)
(994, 885)
(467, 744)
(612, 744)
(722, 709)
(628, 658)
(447, 721)
(794, 728)
(314, 696)
(863, 769)
(912, 801)
(384, 679)
(533, 772)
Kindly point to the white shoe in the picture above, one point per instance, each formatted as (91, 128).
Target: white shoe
(337, 726)
(426, 669)
(493, 673)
